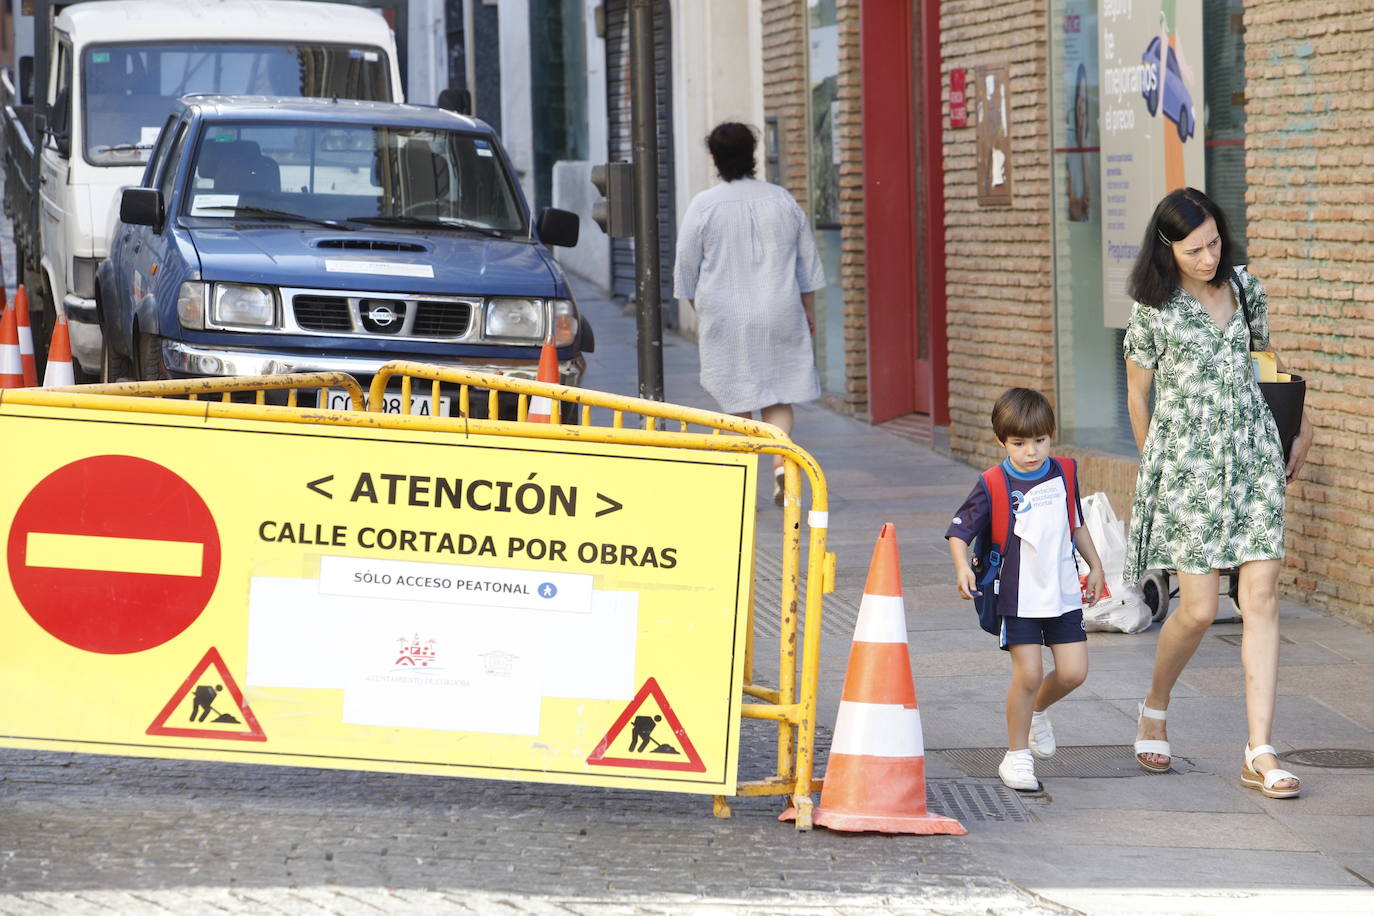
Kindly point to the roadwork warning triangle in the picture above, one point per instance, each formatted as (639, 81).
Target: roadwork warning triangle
(209, 691)
(650, 753)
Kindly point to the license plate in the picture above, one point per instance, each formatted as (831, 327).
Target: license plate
(421, 405)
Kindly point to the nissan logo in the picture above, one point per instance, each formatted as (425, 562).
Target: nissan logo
(382, 316)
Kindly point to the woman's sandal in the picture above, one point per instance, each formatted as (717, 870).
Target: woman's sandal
(1251, 778)
(1152, 745)
(778, 472)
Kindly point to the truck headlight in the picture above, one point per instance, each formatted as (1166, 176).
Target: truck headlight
(191, 305)
(564, 314)
(519, 320)
(83, 276)
(248, 306)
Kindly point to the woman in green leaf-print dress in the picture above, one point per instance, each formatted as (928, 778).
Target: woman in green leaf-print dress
(1210, 491)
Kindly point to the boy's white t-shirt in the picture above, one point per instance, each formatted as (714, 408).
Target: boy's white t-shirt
(1039, 577)
(1047, 585)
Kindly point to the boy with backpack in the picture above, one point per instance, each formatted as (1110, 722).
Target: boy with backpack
(1026, 519)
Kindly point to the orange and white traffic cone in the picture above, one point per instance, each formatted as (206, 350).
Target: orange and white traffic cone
(11, 363)
(59, 371)
(21, 308)
(875, 778)
(541, 408)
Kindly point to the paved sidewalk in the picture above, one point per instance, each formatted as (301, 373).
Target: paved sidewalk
(89, 833)
(1113, 839)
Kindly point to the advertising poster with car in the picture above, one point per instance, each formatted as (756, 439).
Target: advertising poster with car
(1151, 126)
(374, 598)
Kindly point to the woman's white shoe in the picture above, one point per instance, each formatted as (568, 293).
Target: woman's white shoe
(1252, 778)
(1041, 736)
(1017, 770)
(1150, 745)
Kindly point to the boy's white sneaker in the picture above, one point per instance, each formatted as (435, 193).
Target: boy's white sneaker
(1017, 770)
(1041, 736)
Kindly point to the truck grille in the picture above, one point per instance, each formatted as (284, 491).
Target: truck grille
(441, 319)
(323, 313)
(367, 315)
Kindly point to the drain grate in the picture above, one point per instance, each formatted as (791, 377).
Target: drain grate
(838, 615)
(975, 801)
(1332, 757)
(1084, 762)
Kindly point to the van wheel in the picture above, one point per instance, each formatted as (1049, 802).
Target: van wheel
(114, 367)
(148, 358)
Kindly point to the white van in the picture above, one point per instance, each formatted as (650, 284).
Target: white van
(116, 69)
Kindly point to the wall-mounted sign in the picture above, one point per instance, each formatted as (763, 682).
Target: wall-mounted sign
(991, 94)
(958, 99)
(1152, 135)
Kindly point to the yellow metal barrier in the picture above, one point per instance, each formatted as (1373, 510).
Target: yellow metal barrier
(791, 703)
(195, 389)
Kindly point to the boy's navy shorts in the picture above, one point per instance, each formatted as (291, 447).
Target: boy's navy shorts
(1043, 631)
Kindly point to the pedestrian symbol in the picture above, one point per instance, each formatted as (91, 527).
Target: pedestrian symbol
(213, 700)
(548, 590)
(653, 746)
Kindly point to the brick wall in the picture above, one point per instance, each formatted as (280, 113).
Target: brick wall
(852, 275)
(1000, 304)
(784, 89)
(1309, 103)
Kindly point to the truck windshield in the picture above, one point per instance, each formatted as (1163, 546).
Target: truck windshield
(130, 88)
(361, 173)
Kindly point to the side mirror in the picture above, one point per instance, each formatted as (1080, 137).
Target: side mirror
(459, 100)
(142, 207)
(558, 227)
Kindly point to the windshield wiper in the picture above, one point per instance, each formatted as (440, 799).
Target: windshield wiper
(122, 147)
(276, 214)
(442, 222)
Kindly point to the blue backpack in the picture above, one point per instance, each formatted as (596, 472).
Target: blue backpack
(990, 547)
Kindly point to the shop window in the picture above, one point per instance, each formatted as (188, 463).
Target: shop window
(824, 191)
(1110, 134)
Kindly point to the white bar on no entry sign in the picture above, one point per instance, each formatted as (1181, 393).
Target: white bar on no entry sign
(106, 554)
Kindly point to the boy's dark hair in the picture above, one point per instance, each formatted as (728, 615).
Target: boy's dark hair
(1022, 413)
(732, 147)
(1154, 276)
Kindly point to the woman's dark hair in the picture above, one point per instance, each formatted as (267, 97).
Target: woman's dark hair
(1022, 413)
(732, 147)
(1154, 277)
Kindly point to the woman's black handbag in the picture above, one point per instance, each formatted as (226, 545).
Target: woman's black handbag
(1285, 399)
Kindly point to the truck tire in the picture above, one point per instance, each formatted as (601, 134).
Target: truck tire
(114, 367)
(148, 358)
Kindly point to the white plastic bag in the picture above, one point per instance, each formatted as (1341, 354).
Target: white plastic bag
(1123, 609)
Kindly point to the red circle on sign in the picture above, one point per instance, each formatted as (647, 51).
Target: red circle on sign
(114, 612)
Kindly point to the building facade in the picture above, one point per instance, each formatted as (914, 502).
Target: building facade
(978, 171)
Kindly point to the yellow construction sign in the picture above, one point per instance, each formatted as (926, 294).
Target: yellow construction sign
(366, 598)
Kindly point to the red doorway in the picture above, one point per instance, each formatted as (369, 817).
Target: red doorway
(904, 211)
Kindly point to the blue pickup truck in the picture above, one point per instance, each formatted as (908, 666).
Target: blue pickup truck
(274, 235)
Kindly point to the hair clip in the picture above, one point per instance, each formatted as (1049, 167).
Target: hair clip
(1162, 238)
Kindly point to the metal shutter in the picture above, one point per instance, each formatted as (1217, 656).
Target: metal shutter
(621, 147)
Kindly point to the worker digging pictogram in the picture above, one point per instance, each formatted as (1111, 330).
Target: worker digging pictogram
(217, 695)
(650, 752)
(203, 703)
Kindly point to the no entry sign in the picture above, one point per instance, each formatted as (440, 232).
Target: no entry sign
(371, 597)
(113, 554)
